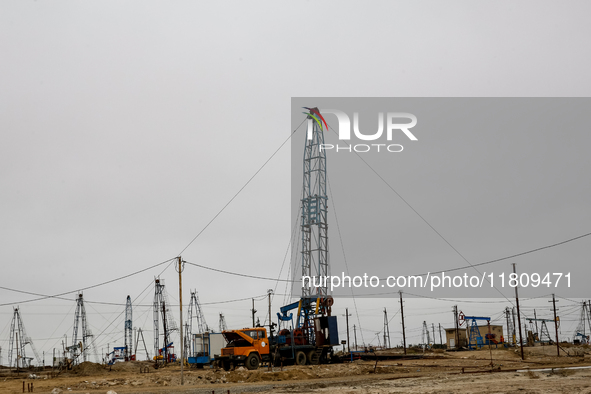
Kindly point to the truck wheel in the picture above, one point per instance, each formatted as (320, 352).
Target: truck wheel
(226, 365)
(313, 358)
(300, 358)
(252, 362)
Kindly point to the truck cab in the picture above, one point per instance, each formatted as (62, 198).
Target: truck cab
(248, 347)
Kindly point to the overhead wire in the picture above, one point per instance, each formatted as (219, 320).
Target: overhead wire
(420, 216)
(58, 296)
(96, 337)
(334, 207)
(422, 274)
(241, 189)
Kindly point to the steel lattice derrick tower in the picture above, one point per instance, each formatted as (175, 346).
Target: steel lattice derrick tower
(314, 225)
(18, 340)
(158, 304)
(584, 322)
(222, 323)
(87, 336)
(161, 312)
(426, 334)
(128, 330)
(196, 313)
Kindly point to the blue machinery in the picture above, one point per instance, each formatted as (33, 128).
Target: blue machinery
(584, 338)
(475, 339)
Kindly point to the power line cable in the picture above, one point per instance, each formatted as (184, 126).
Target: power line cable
(422, 218)
(334, 208)
(423, 274)
(238, 274)
(240, 190)
(512, 256)
(44, 296)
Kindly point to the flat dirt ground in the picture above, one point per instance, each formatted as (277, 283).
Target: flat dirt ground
(443, 372)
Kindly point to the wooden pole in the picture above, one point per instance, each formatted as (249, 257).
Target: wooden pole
(402, 314)
(518, 317)
(181, 318)
(556, 325)
(347, 318)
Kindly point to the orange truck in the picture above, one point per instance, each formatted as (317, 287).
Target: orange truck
(251, 346)
(248, 347)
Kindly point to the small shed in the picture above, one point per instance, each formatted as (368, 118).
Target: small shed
(461, 338)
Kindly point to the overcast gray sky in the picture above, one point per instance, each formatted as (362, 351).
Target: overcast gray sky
(126, 126)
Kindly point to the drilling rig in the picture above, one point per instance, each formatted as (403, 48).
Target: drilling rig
(310, 337)
(86, 343)
(314, 324)
(18, 340)
(129, 354)
(162, 312)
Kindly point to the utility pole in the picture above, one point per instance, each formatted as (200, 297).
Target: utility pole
(584, 315)
(518, 316)
(402, 314)
(456, 326)
(253, 312)
(555, 325)
(514, 329)
(347, 319)
(440, 340)
(270, 292)
(386, 330)
(355, 335)
(181, 318)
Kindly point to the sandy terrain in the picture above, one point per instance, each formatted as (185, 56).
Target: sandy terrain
(454, 372)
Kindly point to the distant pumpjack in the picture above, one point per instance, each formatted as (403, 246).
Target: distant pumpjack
(583, 330)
